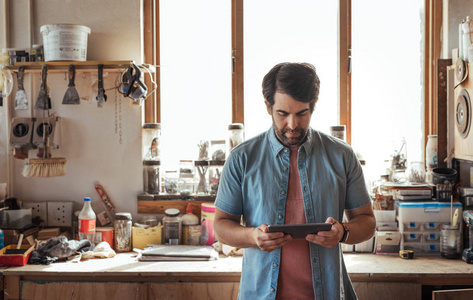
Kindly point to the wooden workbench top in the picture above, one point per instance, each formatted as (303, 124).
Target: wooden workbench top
(361, 267)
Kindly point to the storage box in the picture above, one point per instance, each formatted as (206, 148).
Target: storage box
(425, 212)
(365, 247)
(383, 216)
(144, 236)
(388, 242)
(14, 259)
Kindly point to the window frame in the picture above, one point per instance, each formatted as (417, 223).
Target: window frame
(432, 50)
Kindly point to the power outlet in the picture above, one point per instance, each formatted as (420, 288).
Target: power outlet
(60, 213)
(39, 211)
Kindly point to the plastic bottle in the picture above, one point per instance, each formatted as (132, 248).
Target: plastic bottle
(190, 227)
(87, 222)
(2, 239)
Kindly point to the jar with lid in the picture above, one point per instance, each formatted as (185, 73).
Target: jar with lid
(217, 150)
(172, 227)
(215, 171)
(201, 177)
(171, 179)
(122, 226)
(236, 134)
(338, 132)
(151, 141)
(186, 177)
(151, 181)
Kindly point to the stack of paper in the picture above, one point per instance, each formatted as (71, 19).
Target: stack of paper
(413, 194)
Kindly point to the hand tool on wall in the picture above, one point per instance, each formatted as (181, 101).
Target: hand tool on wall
(71, 96)
(101, 97)
(21, 100)
(43, 102)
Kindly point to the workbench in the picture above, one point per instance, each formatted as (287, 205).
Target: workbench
(123, 277)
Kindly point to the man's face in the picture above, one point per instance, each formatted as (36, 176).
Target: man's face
(291, 119)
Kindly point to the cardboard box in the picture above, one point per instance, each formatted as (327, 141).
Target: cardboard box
(388, 242)
(141, 237)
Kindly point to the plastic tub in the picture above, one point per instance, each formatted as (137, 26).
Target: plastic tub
(65, 42)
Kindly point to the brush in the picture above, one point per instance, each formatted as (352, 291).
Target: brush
(46, 166)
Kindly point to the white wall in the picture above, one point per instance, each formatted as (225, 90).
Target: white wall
(88, 139)
(454, 11)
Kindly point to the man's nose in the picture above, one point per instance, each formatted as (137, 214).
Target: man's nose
(292, 122)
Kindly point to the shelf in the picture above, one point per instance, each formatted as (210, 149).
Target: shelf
(157, 204)
(81, 66)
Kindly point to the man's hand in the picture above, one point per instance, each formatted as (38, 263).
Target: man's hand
(269, 241)
(330, 238)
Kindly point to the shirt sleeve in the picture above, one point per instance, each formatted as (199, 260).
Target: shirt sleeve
(357, 194)
(229, 195)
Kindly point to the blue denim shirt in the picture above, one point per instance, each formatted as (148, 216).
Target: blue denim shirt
(254, 184)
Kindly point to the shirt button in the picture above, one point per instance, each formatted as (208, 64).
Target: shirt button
(280, 216)
(283, 192)
(285, 150)
(285, 169)
(272, 290)
(275, 265)
(305, 188)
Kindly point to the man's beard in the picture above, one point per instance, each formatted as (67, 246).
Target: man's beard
(290, 141)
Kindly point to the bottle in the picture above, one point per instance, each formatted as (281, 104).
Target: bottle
(207, 217)
(87, 222)
(2, 239)
(172, 227)
(190, 227)
(430, 156)
(123, 227)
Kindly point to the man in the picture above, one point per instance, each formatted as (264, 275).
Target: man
(292, 174)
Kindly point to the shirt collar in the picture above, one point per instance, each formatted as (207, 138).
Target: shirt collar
(277, 147)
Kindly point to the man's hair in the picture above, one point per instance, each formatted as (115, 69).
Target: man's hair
(298, 80)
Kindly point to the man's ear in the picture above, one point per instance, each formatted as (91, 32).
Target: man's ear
(268, 107)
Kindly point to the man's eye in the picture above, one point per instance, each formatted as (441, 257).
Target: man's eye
(282, 114)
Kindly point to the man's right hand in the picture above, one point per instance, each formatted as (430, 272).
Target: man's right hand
(269, 241)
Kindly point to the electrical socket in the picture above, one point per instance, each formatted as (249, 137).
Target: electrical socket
(38, 209)
(60, 213)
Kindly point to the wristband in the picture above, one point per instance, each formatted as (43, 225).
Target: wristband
(346, 233)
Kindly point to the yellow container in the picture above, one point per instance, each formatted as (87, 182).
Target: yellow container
(144, 236)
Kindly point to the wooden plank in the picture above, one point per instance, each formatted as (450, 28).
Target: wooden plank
(158, 207)
(117, 66)
(83, 290)
(11, 287)
(344, 84)
(442, 100)
(388, 290)
(149, 56)
(464, 294)
(237, 57)
(185, 291)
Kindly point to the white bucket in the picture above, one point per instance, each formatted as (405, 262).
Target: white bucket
(65, 42)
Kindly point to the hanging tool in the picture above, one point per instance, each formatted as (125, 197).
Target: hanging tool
(101, 97)
(133, 87)
(71, 96)
(21, 100)
(43, 102)
(468, 252)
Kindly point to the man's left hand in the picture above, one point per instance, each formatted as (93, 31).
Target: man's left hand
(330, 238)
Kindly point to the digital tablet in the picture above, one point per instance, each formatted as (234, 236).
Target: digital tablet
(299, 231)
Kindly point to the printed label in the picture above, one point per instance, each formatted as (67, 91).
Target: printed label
(87, 226)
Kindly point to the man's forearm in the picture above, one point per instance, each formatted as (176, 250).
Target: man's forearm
(361, 228)
(231, 233)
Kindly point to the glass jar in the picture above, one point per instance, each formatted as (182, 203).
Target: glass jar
(172, 227)
(186, 177)
(171, 180)
(203, 150)
(215, 171)
(151, 181)
(338, 132)
(431, 152)
(151, 141)
(217, 150)
(122, 226)
(201, 177)
(236, 134)
(450, 242)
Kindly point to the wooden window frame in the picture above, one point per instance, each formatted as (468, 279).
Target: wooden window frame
(432, 48)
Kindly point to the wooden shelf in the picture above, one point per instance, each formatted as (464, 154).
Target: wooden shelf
(81, 66)
(157, 204)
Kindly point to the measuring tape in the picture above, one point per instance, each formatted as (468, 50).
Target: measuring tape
(408, 254)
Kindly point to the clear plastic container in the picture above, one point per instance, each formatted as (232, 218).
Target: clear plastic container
(87, 219)
(172, 227)
(151, 139)
(450, 242)
(201, 177)
(236, 134)
(122, 226)
(416, 172)
(215, 171)
(151, 177)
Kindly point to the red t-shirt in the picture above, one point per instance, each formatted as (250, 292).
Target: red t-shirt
(295, 274)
